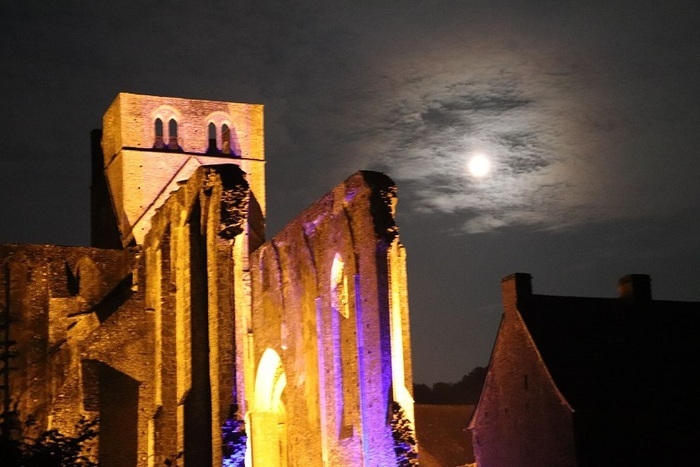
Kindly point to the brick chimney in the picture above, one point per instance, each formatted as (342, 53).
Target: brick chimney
(635, 287)
(515, 288)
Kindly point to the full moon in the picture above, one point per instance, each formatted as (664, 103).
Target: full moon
(479, 166)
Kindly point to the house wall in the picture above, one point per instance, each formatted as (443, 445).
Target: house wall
(521, 419)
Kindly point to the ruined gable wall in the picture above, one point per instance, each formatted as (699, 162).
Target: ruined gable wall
(521, 418)
(322, 301)
(196, 259)
(56, 296)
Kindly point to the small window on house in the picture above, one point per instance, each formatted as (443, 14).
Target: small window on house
(158, 144)
(172, 135)
(212, 148)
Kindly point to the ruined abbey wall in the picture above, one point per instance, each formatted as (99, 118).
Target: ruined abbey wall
(195, 257)
(141, 338)
(324, 316)
(192, 325)
(60, 308)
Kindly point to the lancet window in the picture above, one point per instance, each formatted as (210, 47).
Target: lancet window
(224, 142)
(163, 141)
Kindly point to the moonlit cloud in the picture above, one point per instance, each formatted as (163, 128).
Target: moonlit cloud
(567, 143)
(429, 138)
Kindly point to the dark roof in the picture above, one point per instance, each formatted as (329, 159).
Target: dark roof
(442, 438)
(617, 354)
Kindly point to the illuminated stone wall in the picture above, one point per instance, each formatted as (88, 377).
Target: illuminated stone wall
(143, 169)
(141, 337)
(195, 257)
(192, 323)
(329, 339)
(63, 304)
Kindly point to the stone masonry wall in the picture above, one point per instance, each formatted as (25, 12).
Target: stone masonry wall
(56, 298)
(141, 175)
(321, 301)
(520, 412)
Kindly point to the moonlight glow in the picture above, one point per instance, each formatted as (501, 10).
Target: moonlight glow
(479, 166)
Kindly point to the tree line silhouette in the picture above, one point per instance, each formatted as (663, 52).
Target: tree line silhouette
(465, 391)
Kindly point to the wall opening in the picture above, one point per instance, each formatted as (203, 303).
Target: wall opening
(211, 131)
(119, 401)
(172, 135)
(198, 418)
(225, 139)
(269, 416)
(159, 144)
(344, 349)
(339, 287)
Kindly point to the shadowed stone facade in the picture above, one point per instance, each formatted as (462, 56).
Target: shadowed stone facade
(579, 381)
(188, 321)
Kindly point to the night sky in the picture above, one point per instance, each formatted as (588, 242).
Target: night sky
(589, 112)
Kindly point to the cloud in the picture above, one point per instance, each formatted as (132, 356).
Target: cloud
(429, 139)
(569, 120)
(573, 112)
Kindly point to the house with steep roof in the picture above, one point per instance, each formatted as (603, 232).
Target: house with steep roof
(577, 381)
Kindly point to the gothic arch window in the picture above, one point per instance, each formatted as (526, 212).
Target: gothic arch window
(342, 348)
(225, 139)
(166, 132)
(222, 138)
(268, 402)
(172, 135)
(211, 131)
(158, 144)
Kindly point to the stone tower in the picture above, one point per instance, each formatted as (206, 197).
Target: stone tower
(150, 145)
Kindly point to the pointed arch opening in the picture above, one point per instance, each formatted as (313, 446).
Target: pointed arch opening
(269, 412)
(211, 132)
(225, 139)
(172, 135)
(158, 129)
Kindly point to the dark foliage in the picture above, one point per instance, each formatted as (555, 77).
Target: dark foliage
(404, 438)
(49, 449)
(234, 443)
(465, 391)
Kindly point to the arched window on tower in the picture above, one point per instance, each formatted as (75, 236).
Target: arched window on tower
(225, 139)
(159, 144)
(172, 136)
(212, 148)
